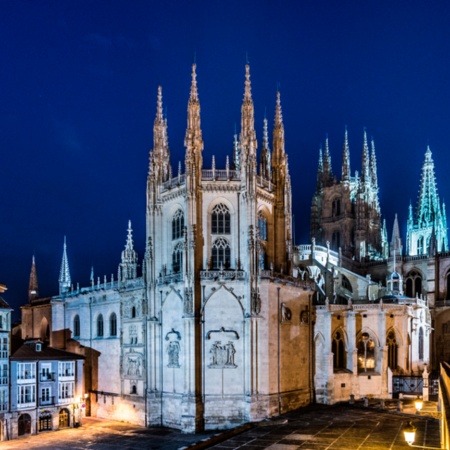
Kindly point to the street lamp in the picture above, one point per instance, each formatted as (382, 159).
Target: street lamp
(418, 404)
(410, 435)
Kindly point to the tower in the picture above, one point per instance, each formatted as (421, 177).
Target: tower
(65, 282)
(33, 289)
(430, 215)
(346, 213)
(129, 261)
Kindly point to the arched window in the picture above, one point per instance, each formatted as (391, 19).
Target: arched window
(366, 353)
(133, 389)
(413, 284)
(220, 254)
(220, 220)
(100, 326)
(177, 225)
(76, 326)
(420, 344)
(262, 227)
(420, 247)
(336, 240)
(133, 312)
(113, 324)
(391, 343)
(177, 258)
(338, 350)
(336, 208)
(447, 296)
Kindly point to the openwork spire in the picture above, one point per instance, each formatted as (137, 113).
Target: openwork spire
(373, 165)
(265, 154)
(129, 261)
(319, 185)
(33, 288)
(248, 134)
(65, 281)
(429, 214)
(346, 173)
(396, 246)
(327, 168)
(365, 172)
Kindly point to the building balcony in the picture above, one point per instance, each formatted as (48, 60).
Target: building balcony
(47, 401)
(47, 377)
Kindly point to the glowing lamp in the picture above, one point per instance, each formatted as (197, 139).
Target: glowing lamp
(410, 433)
(418, 404)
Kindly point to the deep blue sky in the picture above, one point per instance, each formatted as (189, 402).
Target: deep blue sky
(78, 83)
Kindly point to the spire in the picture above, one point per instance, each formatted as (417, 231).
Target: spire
(327, 168)
(248, 135)
(128, 265)
(373, 165)
(33, 288)
(346, 173)
(265, 154)
(365, 171)
(319, 185)
(193, 140)
(65, 281)
(160, 155)
(396, 241)
(236, 152)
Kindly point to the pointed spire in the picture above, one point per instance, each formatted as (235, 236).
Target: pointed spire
(248, 135)
(193, 140)
(128, 265)
(346, 173)
(327, 168)
(33, 288)
(373, 165)
(65, 281)
(365, 171)
(265, 154)
(396, 241)
(236, 152)
(319, 185)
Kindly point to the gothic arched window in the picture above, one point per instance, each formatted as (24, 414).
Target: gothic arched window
(76, 325)
(336, 240)
(113, 324)
(420, 344)
(220, 220)
(391, 342)
(336, 207)
(262, 227)
(420, 247)
(100, 326)
(413, 284)
(177, 258)
(338, 350)
(220, 254)
(133, 312)
(366, 353)
(177, 225)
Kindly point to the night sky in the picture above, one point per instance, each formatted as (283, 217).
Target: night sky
(78, 85)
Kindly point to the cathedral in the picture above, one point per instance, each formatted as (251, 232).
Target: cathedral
(230, 322)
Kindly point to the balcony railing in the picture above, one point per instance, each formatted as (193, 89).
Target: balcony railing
(47, 401)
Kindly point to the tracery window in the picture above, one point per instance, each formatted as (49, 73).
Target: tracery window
(177, 258)
(76, 326)
(420, 248)
(113, 324)
(366, 353)
(220, 220)
(336, 240)
(413, 284)
(177, 225)
(220, 254)
(391, 343)
(338, 350)
(100, 326)
(420, 344)
(262, 227)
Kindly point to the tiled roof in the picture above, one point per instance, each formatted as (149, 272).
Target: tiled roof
(25, 352)
(3, 304)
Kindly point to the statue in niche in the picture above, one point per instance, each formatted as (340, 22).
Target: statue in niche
(188, 306)
(222, 355)
(256, 302)
(173, 350)
(133, 367)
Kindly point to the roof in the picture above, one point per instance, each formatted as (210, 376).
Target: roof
(3, 304)
(25, 352)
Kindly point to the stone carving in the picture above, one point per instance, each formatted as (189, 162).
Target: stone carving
(133, 365)
(256, 302)
(286, 313)
(188, 302)
(222, 355)
(173, 350)
(222, 330)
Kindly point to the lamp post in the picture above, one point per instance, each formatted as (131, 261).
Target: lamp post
(418, 404)
(410, 435)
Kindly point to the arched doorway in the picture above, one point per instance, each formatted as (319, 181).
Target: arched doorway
(64, 418)
(24, 424)
(45, 421)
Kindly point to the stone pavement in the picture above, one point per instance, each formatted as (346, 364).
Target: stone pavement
(342, 427)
